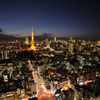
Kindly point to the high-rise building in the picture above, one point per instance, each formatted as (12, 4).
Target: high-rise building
(32, 42)
(47, 44)
(71, 45)
(98, 43)
(4, 53)
(26, 40)
(54, 39)
(46, 41)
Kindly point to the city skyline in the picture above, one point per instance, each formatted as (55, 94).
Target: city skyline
(53, 17)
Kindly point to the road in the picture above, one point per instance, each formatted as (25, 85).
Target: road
(42, 92)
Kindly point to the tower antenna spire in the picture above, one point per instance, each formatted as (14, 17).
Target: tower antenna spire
(32, 42)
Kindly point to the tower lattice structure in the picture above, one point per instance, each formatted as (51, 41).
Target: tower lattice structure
(32, 42)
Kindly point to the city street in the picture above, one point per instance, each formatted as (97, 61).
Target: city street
(42, 92)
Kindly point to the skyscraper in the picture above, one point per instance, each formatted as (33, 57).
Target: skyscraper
(32, 42)
(71, 45)
(26, 41)
(54, 39)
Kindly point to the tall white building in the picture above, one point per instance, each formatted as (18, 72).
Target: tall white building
(54, 39)
(26, 40)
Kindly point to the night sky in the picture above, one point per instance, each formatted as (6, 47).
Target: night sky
(77, 18)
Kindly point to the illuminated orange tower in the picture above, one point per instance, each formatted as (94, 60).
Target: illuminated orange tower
(32, 42)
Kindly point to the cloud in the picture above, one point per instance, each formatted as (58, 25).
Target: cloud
(43, 36)
(7, 37)
(46, 34)
(1, 30)
(38, 27)
(18, 34)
